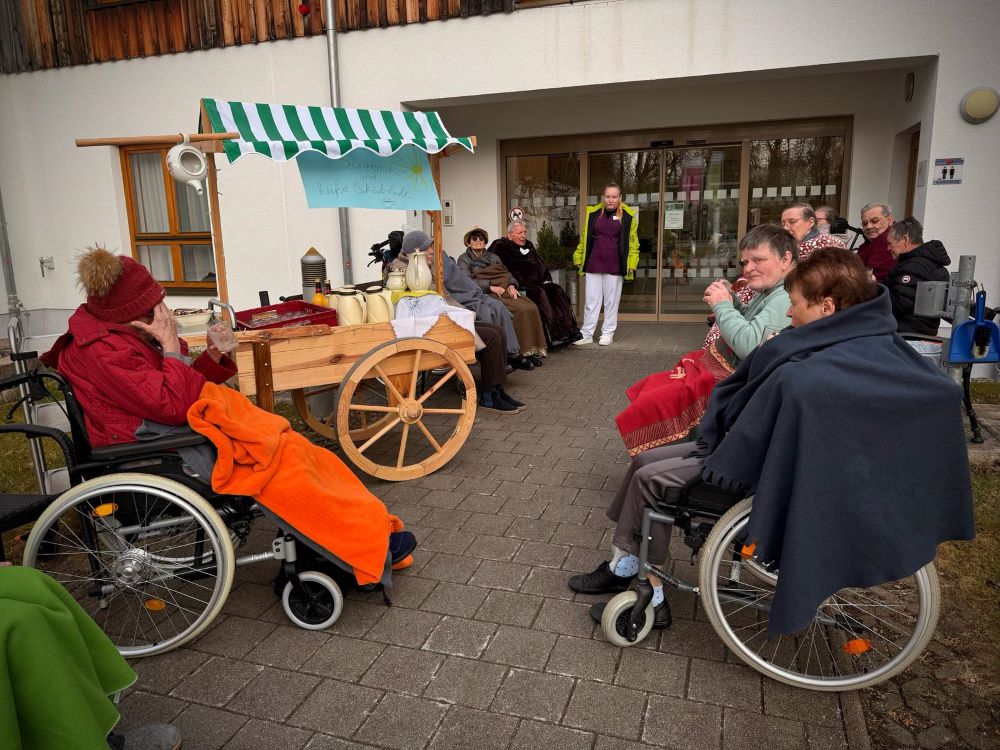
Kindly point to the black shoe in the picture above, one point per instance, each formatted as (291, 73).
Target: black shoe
(601, 581)
(661, 619)
(508, 398)
(401, 544)
(535, 360)
(509, 368)
(497, 404)
(521, 363)
(576, 336)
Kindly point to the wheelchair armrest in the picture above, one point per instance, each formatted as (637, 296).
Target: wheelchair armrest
(922, 337)
(39, 431)
(143, 447)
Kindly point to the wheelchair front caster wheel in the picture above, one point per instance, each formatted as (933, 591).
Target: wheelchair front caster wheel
(316, 604)
(615, 620)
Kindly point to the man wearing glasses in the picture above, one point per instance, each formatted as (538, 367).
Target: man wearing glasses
(876, 218)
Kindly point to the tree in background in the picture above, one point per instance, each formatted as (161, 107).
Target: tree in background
(549, 247)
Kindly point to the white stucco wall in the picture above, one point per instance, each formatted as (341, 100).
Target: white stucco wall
(727, 61)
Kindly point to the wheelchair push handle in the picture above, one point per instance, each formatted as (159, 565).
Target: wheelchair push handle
(213, 303)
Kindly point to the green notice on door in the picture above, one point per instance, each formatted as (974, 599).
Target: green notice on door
(673, 216)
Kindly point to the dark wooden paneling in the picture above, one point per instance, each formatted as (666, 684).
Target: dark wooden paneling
(40, 34)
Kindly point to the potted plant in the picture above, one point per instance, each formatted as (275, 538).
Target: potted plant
(552, 252)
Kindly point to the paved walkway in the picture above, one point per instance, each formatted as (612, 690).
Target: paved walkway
(486, 646)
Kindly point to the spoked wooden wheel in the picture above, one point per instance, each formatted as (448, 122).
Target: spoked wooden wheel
(323, 420)
(419, 429)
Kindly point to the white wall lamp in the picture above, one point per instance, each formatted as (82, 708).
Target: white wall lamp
(187, 163)
(979, 105)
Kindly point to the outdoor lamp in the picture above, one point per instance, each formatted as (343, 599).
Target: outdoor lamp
(979, 105)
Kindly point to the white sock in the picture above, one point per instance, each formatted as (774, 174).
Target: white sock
(625, 566)
(657, 596)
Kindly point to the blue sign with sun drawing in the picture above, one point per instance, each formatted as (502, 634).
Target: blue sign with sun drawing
(362, 179)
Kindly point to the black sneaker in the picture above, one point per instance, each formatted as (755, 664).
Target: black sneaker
(535, 360)
(661, 619)
(508, 398)
(497, 404)
(521, 363)
(601, 581)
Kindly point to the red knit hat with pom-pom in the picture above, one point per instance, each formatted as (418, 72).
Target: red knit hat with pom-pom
(118, 288)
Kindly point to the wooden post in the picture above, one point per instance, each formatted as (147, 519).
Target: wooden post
(435, 162)
(262, 374)
(220, 256)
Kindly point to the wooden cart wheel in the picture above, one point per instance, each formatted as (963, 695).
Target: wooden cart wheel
(441, 419)
(324, 423)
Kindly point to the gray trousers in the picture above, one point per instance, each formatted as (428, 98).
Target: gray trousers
(649, 477)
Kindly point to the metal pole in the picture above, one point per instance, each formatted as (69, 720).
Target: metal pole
(13, 303)
(342, 215)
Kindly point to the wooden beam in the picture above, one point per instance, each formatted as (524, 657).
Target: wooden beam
(220, 256)
(145, 140)
(435, 161)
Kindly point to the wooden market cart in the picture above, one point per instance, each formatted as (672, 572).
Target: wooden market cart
(380, 380)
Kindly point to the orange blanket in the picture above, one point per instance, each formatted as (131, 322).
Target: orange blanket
(308, 487)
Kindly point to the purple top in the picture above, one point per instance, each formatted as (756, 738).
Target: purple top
(604, 253)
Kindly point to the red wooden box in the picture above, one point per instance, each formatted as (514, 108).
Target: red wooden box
(287, 314)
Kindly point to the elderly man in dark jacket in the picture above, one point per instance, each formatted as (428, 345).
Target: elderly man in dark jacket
(916, 261)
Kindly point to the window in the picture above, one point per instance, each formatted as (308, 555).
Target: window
(791, 170)
(169, 224)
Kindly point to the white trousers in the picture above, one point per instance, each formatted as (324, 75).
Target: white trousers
(606, 288)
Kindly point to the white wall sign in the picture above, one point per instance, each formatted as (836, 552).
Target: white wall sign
(948, 171)
(673, 216)
(516, 214)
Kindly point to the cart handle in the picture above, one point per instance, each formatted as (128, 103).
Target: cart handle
(219, 303)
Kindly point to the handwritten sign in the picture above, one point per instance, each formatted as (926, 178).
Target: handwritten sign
(366, 180)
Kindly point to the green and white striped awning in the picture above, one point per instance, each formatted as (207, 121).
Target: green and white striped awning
(283, 131)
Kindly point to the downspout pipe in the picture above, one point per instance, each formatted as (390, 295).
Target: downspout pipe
(342, 213)
(13, 303)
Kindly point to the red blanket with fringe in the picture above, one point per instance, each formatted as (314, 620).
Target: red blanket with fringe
(260, 455)
(666, 405)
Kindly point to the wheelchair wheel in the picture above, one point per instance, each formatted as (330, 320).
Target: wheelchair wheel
(615, 620)
(858, 638)
(147, 558)
(317, 604)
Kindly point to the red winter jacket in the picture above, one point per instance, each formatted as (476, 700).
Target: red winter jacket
(120, 379)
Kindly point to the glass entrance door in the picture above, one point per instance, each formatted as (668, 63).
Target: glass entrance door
(688, 203)
(700, 221)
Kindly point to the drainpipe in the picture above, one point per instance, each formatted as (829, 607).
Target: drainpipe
(342, 217)
(13, 303)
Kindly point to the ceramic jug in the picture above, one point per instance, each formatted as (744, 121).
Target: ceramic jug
(418, 273)
(379, 304)
(396, 281)
(350, 306)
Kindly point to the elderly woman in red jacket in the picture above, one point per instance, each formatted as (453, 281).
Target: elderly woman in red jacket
(122, 354)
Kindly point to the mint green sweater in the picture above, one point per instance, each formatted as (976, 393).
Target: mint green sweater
(742, 326)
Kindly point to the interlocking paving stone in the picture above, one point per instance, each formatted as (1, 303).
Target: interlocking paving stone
(325, 742)
(825, 738)
(547, 582)
(404, 670)
(207, 728)
(655, 673)
(520, 648)
(249, 600)
(584, 560)
(336, 708)
(496, 547)
(273, 694)
(607, 709)
(565, 617)
(139, 708)
(162, 673)
(444, 540)
(404, 627)
(532, 529)
(287, 647)
(731, 685)
(455, 599)
(451, 568)
(533, 695)
(216, 682)
(343, 658)
(256, 734)
(409, 591)
(542, 554)
(563, 511)
(402, 722)
(510, 608)
(617, 743)
(576, 535)
(357, 618)
(484, 503)
(678, 723)
(234, 636)
(460, 637)
(534, 734)
(584, 658)
(445, 519)
(794, 703)
(488, 524)
(466, 681)
(499, 575)
(742, 730)
(466, 729)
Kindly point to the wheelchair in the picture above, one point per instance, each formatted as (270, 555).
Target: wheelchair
(143, 545)
(859, 637)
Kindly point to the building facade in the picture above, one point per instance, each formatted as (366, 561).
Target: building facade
(711, 114)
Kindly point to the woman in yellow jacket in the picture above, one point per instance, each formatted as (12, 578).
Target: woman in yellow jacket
(607, 256)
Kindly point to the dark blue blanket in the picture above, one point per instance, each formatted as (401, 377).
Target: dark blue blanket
(854, 449)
